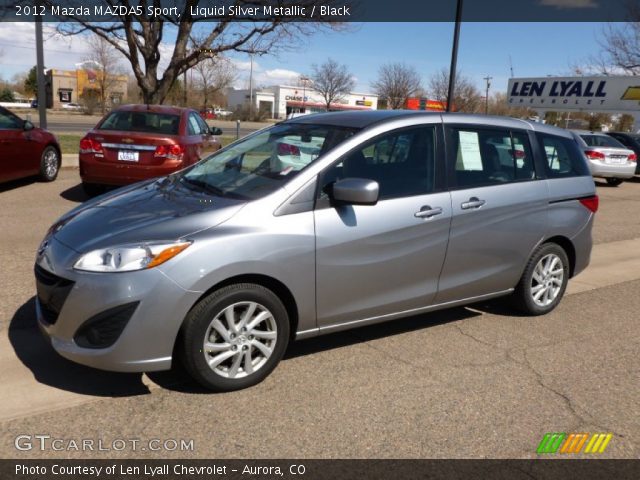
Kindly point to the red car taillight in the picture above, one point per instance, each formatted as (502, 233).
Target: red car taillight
(89, 145)
(591, 203)
(519, 154)
(633, 158)
(288, 149)
(593, 155)
(172, 152)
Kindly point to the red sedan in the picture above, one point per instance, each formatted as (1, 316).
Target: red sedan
(26, 150)
(137, 142)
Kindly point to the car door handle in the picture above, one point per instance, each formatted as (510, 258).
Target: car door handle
(473, 202)
(428, 212)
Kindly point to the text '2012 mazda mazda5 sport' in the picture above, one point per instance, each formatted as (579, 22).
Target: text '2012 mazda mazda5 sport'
(315, 225)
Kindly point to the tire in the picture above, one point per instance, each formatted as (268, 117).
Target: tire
(527, 297)
(208, 340)
(92, 189)
(49, 164)
(614, 182)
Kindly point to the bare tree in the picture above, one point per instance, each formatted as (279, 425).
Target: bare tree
(139, 37)
(467, 97)
(332, 81)
(395, 83)
(215, 75)
(621, 45)
(106, 61)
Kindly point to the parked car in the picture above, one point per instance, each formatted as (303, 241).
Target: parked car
(74, 107)
(400, 213)
(631, 141)
(138, 142)
(26, 150)
(608, 158)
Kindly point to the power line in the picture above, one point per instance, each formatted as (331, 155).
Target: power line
(33, 47)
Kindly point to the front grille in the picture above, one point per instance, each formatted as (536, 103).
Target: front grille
(102, 330)
(52, 293)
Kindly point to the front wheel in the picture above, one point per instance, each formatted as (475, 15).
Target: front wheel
(49, 164)
(544, 280)
(614, 182)
(235, 337)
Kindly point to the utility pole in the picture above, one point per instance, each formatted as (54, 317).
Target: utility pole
(454, 56)
(184, 100)
(251, 88)
(42, 93)
(486, 99)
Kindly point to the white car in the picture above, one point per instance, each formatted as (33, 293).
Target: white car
(72, 106)
(608, 158)
(222, 113)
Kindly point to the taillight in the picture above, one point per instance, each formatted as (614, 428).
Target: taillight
(633, 158)
(594, 155)
(172, 152)
(591, 203)
(519, 154)
(288, 149)
(89, 145)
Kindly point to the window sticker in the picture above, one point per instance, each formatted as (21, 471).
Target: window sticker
(469, 152)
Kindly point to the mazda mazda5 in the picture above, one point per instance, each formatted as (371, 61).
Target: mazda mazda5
(392, 214)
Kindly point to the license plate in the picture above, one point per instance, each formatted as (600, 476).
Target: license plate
(616, 160)
(128, 156)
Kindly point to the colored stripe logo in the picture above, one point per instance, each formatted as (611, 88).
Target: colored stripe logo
(574, 443)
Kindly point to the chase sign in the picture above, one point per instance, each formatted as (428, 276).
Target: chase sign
(615, 94)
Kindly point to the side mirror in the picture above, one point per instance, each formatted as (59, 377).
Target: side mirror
(356, 191)
(215, 131)
(28, 126)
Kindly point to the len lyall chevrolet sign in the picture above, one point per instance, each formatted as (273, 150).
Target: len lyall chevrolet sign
(576, 93)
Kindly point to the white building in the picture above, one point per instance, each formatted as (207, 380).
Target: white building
(281, 100)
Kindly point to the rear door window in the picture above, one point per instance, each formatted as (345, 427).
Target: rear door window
(483, 157)
(562, 157)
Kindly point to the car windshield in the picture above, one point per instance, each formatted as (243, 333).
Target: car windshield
(147, 122)
(601, 141)
(261, 163)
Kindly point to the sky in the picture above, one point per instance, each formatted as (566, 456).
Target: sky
(486, 49)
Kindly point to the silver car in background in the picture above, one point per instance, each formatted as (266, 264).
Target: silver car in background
(607, 157)
(362, 217)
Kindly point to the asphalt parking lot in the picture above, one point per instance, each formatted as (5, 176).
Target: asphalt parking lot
(476, 382)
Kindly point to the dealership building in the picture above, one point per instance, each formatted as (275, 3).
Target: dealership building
(281, 100)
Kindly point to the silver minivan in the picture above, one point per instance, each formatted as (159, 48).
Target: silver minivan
(315, 225)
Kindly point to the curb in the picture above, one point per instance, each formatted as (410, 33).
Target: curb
(69, 160)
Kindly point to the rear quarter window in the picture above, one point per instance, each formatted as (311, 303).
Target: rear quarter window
(562, 157)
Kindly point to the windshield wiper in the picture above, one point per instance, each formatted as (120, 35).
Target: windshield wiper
(204, 186)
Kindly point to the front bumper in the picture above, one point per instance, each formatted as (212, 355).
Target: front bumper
(147, 341)
(612, 170)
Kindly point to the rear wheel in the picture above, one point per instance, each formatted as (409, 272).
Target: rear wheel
(92, 189)
(235, 337)
(49, 164)
(614, 182)
(544, 280)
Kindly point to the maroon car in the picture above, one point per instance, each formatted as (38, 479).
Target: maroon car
(26, 150)
(137, 142)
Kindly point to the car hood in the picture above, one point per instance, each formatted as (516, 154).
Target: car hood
(154, 210)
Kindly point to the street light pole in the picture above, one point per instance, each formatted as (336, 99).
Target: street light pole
(42, 94)
(454, 56)
(486, 99)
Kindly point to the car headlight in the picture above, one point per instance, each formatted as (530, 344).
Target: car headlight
(127, 258)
